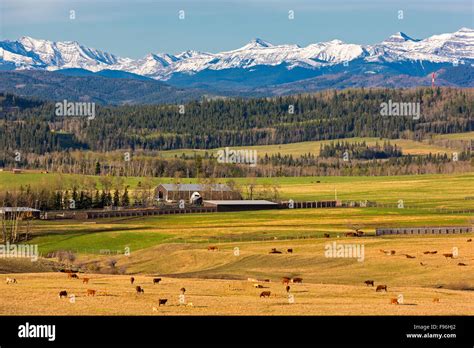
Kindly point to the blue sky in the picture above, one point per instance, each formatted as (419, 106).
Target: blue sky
(134, 28)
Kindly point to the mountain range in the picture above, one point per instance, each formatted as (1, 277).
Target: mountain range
(259, 66)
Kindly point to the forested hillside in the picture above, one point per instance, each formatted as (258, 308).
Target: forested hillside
(32, 126)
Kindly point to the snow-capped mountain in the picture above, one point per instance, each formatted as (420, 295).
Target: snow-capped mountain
(288, 62)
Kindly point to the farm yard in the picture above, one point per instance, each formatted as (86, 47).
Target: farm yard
(175, 248)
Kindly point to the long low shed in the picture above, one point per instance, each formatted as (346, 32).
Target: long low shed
(240, 205)
(423, 230)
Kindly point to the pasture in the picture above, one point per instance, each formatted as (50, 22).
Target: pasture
(217, 283)
(175, 247)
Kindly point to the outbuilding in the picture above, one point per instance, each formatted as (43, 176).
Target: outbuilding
(175, 192)
(240, 205)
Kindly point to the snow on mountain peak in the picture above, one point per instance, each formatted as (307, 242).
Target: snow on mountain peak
(30, 53)
(400, 37)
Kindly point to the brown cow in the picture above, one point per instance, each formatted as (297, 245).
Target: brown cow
(156, 281)
(132, 280)
(285, 280)
(183, 290)
(139, 289)
(350, 234)
(392, 252)
(393, 301)
(381, 287)
(72, 276)
(265, 294)
(274, 251)
(297, 280)
(212, 248)
(85, 280)
(62, 294)
(433, 252)
(327, 235)
(436, 300)
(258, 286)
(461, 264)
(162, 301)
(448, 255)
(90, 292)
(426, 252)
(369, 282)
(290, 251)
(469, 240)
(266, 280)
(410, 257)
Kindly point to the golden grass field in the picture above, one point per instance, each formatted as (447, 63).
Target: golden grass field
(216, 282)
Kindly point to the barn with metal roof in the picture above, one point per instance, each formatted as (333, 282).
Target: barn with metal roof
(175, 192)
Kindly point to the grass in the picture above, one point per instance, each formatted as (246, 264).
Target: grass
(216, 282)
(437, 190)
(409, 147)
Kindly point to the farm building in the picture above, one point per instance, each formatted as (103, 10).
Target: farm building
(22, 212)
(423, 230)
(175, 192)
(240, 205)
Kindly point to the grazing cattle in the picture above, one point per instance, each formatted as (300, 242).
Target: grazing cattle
(327, 235)
(85, 280)
(285, 280)
(132, 280)
(383, 251)
(212, 248)
(90, 292)
(290, 251)
(393, 301)
(433, 252)
(72, 276)
(469, 240)
(369, 282)
(11, 281)
(139, 289)
(381, 287)
(448, 255)
(410, 257)
(297, 280)
(156, 280)
(426, 252)
(258, 286)
(392, 252)
(62, 294)
(461, 264)
(436, 300)
(183, 290)
(162, 301)
(265, 294)
(287, 288)
(274, 251)
(351, 234)
(266, 280)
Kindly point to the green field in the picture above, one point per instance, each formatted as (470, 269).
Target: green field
(430, 191)
(409, 147)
